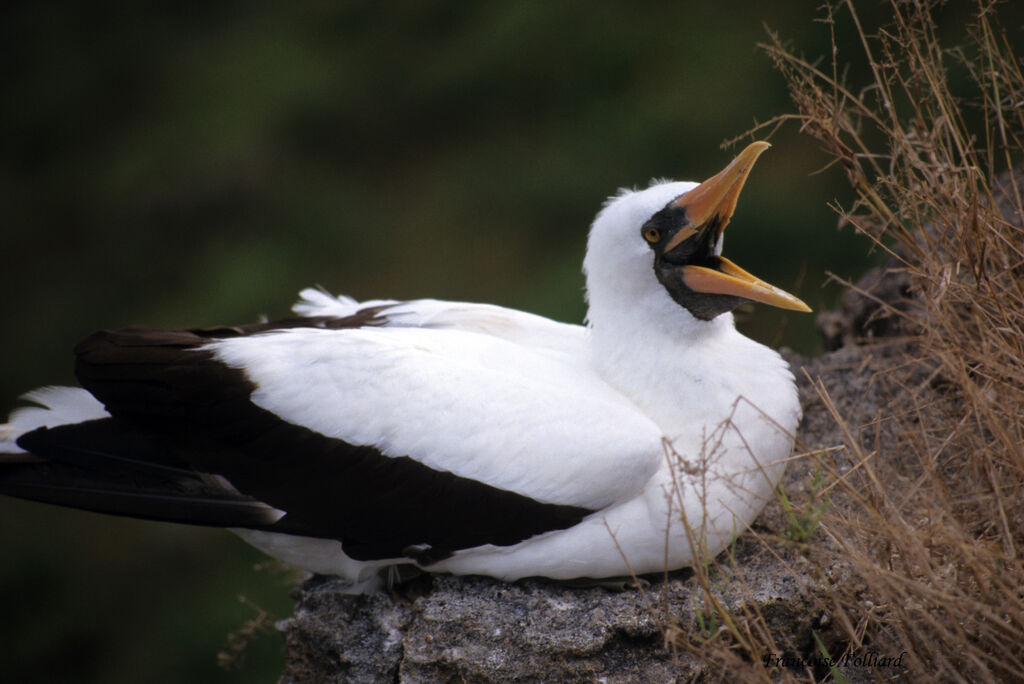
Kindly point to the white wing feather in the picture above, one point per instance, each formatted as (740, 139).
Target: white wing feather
(497, 321)
(56, 406)
(473, 404)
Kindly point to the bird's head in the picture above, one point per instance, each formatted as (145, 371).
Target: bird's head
(679, 227)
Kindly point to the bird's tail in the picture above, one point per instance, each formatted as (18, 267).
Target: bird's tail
(75, 454)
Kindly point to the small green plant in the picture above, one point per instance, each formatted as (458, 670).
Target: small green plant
(834, 672)
(707, 626)
(804, 520)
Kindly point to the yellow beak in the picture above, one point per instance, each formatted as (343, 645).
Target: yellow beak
(709, 206)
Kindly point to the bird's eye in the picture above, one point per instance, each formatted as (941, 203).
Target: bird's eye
(652, 235)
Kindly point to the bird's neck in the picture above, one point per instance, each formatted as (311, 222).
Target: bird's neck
(668, 362)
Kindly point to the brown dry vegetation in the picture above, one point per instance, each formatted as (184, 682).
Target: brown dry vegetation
(913, 526)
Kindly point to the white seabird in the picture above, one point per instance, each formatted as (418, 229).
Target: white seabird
(461, 438)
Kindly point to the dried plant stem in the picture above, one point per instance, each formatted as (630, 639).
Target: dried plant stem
(928, 511)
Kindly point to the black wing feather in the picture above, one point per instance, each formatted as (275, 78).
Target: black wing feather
(94, 466)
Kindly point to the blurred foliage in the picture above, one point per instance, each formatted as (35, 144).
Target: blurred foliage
(197, 163)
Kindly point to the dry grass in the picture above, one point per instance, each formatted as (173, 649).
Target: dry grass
(927, 503)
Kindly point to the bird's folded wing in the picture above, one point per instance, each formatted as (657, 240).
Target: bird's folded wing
(478, 406)
(393, 439)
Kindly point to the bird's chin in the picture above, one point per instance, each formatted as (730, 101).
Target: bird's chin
(701, 305)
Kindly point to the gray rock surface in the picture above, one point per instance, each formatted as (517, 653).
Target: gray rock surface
(475, 629)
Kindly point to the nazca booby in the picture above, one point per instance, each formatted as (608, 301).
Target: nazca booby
(461, 438)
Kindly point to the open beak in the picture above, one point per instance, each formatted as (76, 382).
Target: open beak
(730, 279)
(709, 207)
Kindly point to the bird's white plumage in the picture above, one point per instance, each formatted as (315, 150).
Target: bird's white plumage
(617, 416)
(55, 406)
(477, 406)
(648, 416)
(526, 329)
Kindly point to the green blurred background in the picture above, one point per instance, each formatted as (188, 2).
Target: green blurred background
(197, 163)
